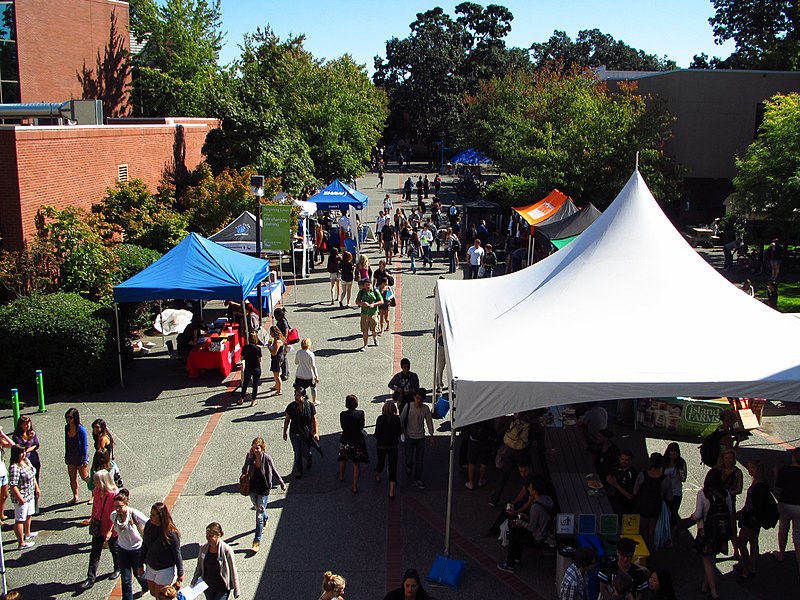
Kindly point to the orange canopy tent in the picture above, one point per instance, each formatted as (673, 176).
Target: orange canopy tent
(544, 209)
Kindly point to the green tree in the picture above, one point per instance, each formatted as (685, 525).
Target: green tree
(767, 34)
(144, 219)
(86, 264)
(768, 182)
(427, 74)
(593, 48)
(570, 132)
(293, 117)
(178, 63)
(32, 270)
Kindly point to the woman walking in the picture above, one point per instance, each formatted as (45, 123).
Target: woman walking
(216, 566)
(101, 526)
(25, 436)
(24, 492)
(414, 250)
(5, 442)
(733, 481)
(787, 483)
(352, 445)
(333, 273)
(161, 550)
(102, 436)
(410, 588)
(262, 475)
(346, 273)
(383, 310)
(387, 436)
(128, 524)
(364, 271)
(76, 450)
(758, 501)
(307, 375)
(714, 517)
(676, 471)
(251, 354)
(276, 347)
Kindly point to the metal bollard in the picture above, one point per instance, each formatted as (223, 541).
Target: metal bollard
(15, 405)
(40, 390)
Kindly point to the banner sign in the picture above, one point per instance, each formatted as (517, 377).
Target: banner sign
(276, 223)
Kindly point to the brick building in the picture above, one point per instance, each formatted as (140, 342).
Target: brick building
(57, 50)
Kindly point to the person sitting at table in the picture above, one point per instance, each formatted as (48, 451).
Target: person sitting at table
(532, 527)
(607, 459)
(591, 422)
(620, 484)
(521, 502)
(623, 563)
(189, 337)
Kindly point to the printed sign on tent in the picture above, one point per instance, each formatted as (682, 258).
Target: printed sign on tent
(276, 223)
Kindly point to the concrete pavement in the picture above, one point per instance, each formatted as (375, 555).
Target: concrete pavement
(181, 437)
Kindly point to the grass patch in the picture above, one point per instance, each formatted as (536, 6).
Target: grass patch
(789, 296)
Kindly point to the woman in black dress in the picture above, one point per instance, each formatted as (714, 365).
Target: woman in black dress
(276, 349)
(346, 270)
(352, 445)
(251, 354)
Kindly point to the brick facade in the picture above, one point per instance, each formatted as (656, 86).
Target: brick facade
(73, 166)
(57, 38)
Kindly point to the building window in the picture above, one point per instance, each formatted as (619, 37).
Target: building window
(9, 65)
(122, 173)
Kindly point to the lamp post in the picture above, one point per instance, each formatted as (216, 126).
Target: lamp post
(257, 188)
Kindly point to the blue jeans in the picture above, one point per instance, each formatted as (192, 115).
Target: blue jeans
(128, 563)
(415, 456)
(451, 260)
(260, 504)
(413, 263)
(426, 256)
(302, 449)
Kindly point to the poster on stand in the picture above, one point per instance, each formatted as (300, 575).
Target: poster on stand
(276, 223)
(680, 416)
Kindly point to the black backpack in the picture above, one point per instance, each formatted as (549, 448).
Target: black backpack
(717, 523)
(764, 506)
(709, 449)
(648, 500)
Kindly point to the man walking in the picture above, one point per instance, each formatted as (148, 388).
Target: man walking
(475, 257)
(425, 241)
(415, 416)
(369, 300)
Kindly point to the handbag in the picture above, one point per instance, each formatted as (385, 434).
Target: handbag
(94, 527)
(292, 336)
(244, 484)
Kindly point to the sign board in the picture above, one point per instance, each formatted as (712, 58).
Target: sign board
(276, 223)
(565, 524)
(682, 416)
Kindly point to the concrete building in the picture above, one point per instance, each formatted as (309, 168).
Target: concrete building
(717, 118)
(57, 50)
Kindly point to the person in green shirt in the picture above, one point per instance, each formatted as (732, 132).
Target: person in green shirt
(369, 300)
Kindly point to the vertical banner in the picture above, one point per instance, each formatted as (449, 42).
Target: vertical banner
(276, 225)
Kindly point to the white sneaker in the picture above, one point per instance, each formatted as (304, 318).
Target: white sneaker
(469, 485)
(32, 534)
(363, 348)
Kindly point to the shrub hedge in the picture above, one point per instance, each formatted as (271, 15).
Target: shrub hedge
(69, 338)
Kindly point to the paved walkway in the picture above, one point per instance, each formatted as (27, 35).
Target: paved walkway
(179, 439)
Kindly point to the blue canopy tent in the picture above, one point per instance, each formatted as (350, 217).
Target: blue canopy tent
(339, 196)
(196, 268)
(471, 157)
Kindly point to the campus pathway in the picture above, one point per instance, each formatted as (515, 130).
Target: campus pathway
(179, 439)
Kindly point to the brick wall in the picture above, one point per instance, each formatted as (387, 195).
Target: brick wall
(55, 38)
(63, 166)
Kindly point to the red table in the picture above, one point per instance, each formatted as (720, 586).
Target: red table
(202, 357)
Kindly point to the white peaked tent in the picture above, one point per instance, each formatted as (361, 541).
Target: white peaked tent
(627, 310)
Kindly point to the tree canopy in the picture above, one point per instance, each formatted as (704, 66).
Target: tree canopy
(292, 116)
(593, 48)
(174, 69)
(768, 182)
(569, 131)
(427, 74)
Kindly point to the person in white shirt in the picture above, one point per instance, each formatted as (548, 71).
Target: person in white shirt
(128, 524)
(425, 240)
(379, 223)
(475, 257)
(306, 375)
(387, 205)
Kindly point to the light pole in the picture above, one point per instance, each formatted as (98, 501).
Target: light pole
(257, 188)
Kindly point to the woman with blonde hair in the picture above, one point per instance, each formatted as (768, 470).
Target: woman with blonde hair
(216, 566)
(276, 350)
(364, 271)
(162, 563)
(307, 375)
(101, 528)
(332, 586)
(262, 475)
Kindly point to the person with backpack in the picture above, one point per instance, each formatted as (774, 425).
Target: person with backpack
(515, 449)
(626, 548)
(652, 488)
(722, 438)
(788, 483)
(453, 246)
(759, 510)
(676, 471)
(715, 524)
(534, 527)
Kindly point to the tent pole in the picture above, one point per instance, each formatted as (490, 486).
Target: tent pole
(119, 355)
(161, 318)
(451, 468)
(435, 353)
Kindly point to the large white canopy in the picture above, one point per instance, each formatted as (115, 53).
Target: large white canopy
(627, 310)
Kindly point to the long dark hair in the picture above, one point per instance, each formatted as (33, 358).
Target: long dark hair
(103, 431)
(23, 420)
(76, 418)
(673, 447)
(167, 524)
(666, 591)
(413, 574)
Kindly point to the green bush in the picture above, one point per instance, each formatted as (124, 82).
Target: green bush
(132, 259)
(69, 338)
(513, 190)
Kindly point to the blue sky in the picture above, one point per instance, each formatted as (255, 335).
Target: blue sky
(678, 29)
